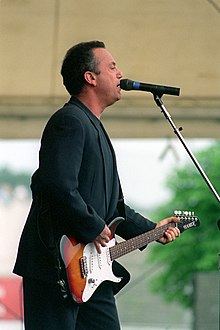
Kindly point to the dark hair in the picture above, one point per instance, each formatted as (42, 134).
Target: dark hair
(79, 59)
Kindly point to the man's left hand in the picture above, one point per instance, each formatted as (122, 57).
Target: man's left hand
(171, 233)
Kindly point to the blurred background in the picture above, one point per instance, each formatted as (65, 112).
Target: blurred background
(173, 43)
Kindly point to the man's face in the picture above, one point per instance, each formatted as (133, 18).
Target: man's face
(108, 80)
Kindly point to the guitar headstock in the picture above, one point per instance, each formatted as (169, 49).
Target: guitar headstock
(188, 219)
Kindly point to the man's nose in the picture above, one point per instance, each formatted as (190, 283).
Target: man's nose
(119, 74)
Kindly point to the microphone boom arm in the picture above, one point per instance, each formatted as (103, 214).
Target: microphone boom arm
(161, 105)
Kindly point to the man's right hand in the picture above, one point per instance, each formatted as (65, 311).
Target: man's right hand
(102, 239)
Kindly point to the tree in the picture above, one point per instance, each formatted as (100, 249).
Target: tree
(197, 249)
(10, 180)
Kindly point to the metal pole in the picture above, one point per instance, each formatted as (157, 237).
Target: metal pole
(177, 132)
(219, 292)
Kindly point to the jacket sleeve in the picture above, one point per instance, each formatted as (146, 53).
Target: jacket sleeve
(61, 155)
(134, 225)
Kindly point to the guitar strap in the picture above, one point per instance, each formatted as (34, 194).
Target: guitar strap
(121, 203)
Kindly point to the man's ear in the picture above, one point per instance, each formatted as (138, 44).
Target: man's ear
(90, 78)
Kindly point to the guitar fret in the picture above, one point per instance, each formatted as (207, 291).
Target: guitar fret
(140, 241)
(137, 242)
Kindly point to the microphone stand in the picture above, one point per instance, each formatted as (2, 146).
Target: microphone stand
(160, 104)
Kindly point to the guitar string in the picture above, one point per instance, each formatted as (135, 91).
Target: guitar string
(132, 244)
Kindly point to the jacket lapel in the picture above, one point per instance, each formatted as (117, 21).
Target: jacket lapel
(97, 125)
(116, 200)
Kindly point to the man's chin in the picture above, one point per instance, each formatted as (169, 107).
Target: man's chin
(119, 97)
(115, 100)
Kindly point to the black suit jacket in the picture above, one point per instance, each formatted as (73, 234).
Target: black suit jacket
(76, 191)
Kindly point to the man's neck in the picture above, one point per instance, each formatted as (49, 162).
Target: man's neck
(92, 103)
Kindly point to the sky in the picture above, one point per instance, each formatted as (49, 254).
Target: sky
(143, 164)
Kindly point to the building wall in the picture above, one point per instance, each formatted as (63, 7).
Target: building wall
(173, 42)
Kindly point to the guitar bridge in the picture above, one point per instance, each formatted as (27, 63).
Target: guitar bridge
(84, 267)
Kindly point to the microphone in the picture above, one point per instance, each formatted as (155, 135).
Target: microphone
(128, 85)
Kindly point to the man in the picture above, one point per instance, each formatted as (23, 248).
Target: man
(76, 192)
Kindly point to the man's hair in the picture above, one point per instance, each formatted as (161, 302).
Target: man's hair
(79, 59)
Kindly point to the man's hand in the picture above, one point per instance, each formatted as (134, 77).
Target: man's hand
(171, 233)
(102, 239)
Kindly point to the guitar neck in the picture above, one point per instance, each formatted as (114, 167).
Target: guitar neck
(138, 242)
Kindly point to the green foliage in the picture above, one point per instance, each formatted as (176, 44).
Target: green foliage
(197, 249)
(10, 180)
(14, 179)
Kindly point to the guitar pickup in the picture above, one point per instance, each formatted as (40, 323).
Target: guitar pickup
(84, 267)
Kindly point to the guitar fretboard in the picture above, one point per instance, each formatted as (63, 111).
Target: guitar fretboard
(140, 241)
(137, 242)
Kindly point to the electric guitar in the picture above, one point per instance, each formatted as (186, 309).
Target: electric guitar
(86, 269)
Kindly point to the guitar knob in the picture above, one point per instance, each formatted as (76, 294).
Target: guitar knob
(91, 280)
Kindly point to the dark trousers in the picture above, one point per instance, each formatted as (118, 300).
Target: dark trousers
(45, 308)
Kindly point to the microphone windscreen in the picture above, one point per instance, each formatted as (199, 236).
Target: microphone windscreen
(126, 84)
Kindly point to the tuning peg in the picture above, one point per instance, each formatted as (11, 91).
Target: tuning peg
(177, 213)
